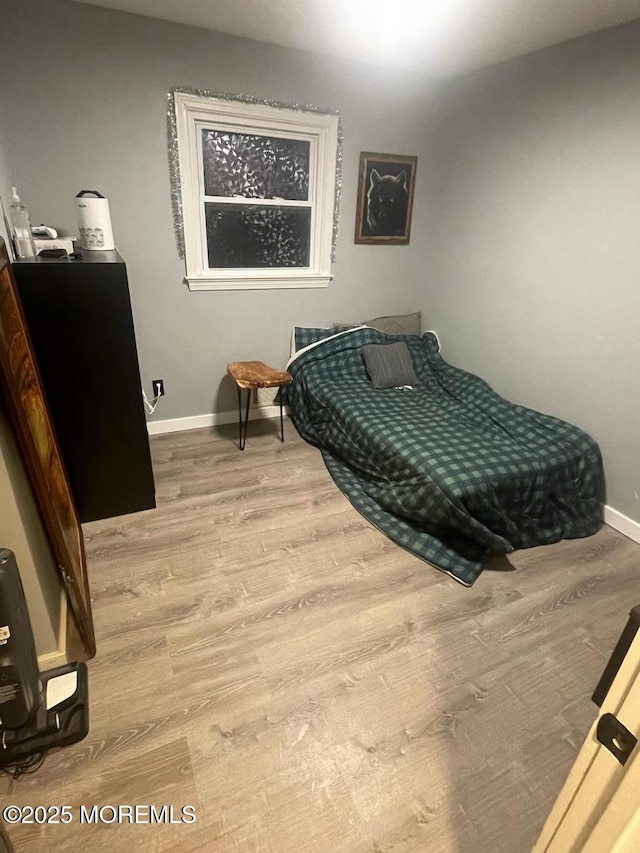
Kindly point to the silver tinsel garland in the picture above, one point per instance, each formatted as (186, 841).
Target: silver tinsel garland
(174, 161)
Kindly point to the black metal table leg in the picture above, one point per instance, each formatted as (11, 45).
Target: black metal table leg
(281, 419)
(242, 428)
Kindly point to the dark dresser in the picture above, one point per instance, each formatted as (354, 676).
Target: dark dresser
(79, 317)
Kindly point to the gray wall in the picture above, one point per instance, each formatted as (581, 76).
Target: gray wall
(5, 181)
(537, 285)
(88, 110)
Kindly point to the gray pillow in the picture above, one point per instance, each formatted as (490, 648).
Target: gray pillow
(400, 324)
(389, 365)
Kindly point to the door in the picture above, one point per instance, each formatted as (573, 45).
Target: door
(598, 809)
(21, 386)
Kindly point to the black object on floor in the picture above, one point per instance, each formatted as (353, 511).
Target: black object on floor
(62, 724)
(38, 711)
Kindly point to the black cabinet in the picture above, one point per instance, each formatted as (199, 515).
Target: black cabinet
(79, 317)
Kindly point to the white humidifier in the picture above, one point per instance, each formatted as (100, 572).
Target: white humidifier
(94, 221)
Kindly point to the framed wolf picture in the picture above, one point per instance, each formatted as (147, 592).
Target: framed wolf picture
(385, 198)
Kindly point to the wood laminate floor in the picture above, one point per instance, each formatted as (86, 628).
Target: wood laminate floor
(268, 657)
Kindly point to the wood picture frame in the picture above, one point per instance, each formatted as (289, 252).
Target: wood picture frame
(21, 386)
(386, 185)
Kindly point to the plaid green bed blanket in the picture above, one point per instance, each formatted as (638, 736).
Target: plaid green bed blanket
(450, 470)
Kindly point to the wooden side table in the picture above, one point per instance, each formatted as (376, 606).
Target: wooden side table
(249, 375)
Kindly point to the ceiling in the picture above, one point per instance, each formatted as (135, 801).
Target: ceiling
(442, 38)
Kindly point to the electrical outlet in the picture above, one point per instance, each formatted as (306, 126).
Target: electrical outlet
(158, 387)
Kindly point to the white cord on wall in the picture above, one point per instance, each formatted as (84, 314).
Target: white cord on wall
(151, 406)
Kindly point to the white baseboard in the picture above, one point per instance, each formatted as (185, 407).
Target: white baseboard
(58, 657)
(622, 523)
(52, 660)
(257, 413)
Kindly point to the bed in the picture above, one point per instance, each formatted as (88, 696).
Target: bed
(446, 468)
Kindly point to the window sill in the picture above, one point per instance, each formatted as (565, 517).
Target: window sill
(203, 282)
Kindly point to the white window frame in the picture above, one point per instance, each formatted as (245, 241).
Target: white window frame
(193, 112)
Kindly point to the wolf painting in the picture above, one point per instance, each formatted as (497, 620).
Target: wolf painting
(387, 202)
(385, 198)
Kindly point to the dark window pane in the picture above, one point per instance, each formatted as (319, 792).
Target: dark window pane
(253, 235)
(255, 166)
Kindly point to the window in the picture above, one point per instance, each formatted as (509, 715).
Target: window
(258, 190)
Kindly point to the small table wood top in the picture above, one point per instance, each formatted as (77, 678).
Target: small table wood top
(257, 374)
(249, 375)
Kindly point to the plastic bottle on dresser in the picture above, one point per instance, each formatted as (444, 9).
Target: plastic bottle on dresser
(21, 226)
